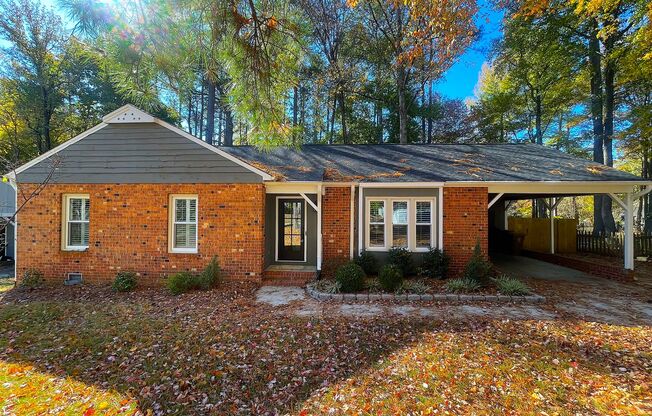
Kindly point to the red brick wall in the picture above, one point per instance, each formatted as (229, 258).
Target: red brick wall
(336, 223)
(465, 223)
(129, 231)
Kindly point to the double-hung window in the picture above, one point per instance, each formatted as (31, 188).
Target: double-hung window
(76, 220)
(183, 224)
(400, 222)
(376, 224)
(423, 224)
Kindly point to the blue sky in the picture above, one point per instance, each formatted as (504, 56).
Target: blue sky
(461, 78)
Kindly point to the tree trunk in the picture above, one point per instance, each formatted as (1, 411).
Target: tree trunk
(379, 122)
(596, 117)
(228, 127)
(402, 104)
(430, 109)
(295, 106)
(538, 134)
(210, 113)
(608, 131)
(345, 133)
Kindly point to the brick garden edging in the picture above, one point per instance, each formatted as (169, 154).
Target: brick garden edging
(413, 297)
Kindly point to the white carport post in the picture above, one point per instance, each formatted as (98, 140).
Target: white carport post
(552, 206)
(317, 208)
(628, 207)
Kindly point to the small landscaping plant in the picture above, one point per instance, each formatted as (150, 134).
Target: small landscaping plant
(435, 264)
(350, 277)
(510, 286)
(368, 262)
(211, 276)
(418, 287)
(390, 277)
(181, 282)
(327, 286)
(462, 285)
(401, 257)
(32, 278)
(373, 285)
(125, 281)
(329, 267)
(478, 268)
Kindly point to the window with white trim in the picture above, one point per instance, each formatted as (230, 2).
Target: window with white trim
(423, 224)
(376, 224)
(183, 225)
(76, 227)
(400, 224)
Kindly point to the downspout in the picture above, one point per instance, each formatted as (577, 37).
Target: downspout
(360, 223)
(319, 231)
(352, 221)
(14, 184)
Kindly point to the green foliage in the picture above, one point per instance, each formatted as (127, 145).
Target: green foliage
(462, 285)
(390, 277)
(401, 257)
(435, 264)
(511, 286)
(329, 267)
(350, 277)
(125, 281)
(418, 287)
(373, 285)
(327, 286)
(368, 262)
(477, 268)
(211, 275)
(181, 282)
(32, 279)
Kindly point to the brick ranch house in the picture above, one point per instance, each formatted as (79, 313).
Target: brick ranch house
(137, 193)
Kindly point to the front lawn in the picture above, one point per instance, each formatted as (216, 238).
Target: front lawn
(81, 351)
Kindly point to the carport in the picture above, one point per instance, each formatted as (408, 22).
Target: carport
(623, 193)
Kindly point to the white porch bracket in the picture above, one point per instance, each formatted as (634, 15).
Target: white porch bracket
(642, 192)
(618, 201)
(496, 198)
(309, 201)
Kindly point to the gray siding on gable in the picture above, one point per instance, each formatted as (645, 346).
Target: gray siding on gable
(7, 200)
(138, 153)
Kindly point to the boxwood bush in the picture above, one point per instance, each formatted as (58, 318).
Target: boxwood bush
(368, 262)
(125, 281)
(32, 278)
(435, 264)
(401, 257)
(350, 277)
(181, 282)
(478, 268)
(390, 277)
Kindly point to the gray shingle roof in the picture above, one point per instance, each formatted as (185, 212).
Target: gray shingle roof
(426, 163)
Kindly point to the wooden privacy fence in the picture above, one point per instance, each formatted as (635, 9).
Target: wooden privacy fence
(612, 244)
(536, 233)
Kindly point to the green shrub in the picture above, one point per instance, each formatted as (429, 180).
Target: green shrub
(368, 262)
(125, 281)
(435, 264)
(211, 276)
(413, 286)
(478, 268)
(181, 282)
(401, 257)
(390, 277)
(32, 278)
(350, 277)
(462, 285)
(329, 267)
(510, 286)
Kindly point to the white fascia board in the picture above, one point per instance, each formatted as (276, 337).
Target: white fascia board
(56, 150)
(265, 176)
(553, 187)
(401, 184)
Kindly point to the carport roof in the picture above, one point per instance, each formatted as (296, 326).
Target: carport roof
(427, 163)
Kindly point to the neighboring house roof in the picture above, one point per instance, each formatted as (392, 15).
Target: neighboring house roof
(426, 163)
(7, 200)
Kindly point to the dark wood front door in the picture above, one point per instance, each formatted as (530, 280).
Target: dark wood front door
(291, 227)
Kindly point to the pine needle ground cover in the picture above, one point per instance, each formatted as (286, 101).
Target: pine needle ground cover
(96, 352)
